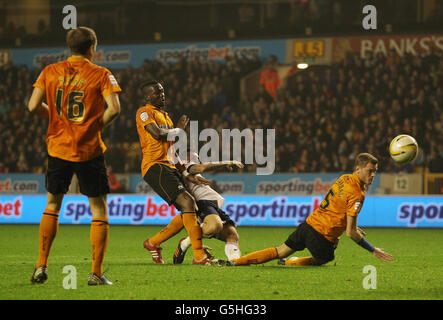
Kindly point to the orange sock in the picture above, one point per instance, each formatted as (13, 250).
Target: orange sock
(99, 237)
(299, 262)
(195, 234)
(167, 232)
(47, 232)
(257, 257)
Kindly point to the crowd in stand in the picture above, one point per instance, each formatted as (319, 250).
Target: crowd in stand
(323, 116)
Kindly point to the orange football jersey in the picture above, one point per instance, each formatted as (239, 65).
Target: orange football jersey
(154, 151)
(75, 91)
(345, 197)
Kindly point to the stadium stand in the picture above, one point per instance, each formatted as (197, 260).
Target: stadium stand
(323, 116)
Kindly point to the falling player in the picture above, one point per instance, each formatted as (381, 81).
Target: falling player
(214, 221)
(322, 229)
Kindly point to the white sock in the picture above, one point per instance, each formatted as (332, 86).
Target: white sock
(232, 251)
(185, 244)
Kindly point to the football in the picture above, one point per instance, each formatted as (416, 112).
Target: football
(403, 148)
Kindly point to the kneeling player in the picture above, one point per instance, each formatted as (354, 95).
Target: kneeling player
(322, 229)
(214, 222)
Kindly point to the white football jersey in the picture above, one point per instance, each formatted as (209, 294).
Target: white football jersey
(201, 191)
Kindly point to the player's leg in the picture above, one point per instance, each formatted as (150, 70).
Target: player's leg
(230, 235)
(99, 232)
(168, 184)
(47, 232)
(187, 205)
(321, 249)
(48, 227)
(93, 182)
(265, 255)
(58, 177)
(211, 226)
(295, 242)
(215, 224)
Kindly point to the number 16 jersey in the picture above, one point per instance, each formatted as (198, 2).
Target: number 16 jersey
(75, 91)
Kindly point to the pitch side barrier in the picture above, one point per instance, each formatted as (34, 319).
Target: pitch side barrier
(289, 211)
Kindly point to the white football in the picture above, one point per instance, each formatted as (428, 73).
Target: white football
(403, 148)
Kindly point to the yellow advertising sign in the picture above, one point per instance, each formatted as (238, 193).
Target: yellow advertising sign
(309, 48)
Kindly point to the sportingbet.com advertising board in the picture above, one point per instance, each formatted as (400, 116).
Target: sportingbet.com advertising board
(378, 211)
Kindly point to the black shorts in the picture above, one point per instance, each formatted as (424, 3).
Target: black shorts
(307, 237)
(207, 207)
(166, 182)
(92, 176)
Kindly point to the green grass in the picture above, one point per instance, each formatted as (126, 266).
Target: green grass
(415, 273)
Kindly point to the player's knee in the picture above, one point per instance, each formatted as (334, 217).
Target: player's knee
(212, 227)
(98, 207)
(283, 251)
(54, 201)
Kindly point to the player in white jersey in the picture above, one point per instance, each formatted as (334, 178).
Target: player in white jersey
(214, 222)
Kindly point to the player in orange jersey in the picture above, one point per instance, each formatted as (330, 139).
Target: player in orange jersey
(76, 91)
(322, 229)
(158, 170)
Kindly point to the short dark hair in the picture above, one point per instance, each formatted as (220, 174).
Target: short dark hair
(363, 159)
(81, 39)
(148, 83)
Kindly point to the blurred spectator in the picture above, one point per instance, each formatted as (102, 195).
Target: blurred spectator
(269, 77)
(322, 119)
(114, 184)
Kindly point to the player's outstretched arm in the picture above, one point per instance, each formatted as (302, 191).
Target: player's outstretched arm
(36, 103)
(195, 179)
(356, 234)
(113, 110)
(210, 166)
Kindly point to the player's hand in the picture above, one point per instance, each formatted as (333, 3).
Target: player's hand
(379, 253)
(182, 122)
(233, 164)
(197, 179)
(361, 231)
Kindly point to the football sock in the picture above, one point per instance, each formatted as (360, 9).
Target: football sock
(257, 257)
(185, 244)
(47, 232)
(232, 251)
(299, 262)
(99, 237)
(167, 232)
(195, 234)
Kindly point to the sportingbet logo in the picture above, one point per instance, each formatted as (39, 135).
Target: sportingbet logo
(120, 210)
(277, 210)
(416, 213)
(11, 209)
(294, 187)
(18, 186)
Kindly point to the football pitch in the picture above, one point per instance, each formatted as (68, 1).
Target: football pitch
(415, 273)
